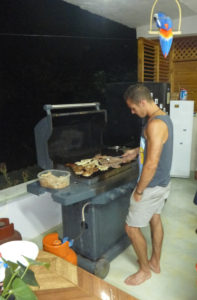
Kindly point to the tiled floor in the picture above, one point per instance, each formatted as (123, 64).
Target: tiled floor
(178, 278)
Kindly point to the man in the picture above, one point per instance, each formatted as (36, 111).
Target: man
(148, 197)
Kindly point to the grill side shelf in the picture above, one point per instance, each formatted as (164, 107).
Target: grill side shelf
(74, 193)
(79, 191)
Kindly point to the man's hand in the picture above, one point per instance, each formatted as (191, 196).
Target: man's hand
(136, 195)
(130, 155)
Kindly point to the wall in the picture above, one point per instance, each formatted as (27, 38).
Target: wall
(179, 69)
(32, 215)
(183, 67)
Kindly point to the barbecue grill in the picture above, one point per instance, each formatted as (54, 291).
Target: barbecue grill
(93, 208)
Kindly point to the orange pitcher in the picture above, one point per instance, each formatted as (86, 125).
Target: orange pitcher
(52, 244)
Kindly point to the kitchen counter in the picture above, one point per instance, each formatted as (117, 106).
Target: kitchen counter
(66, 281)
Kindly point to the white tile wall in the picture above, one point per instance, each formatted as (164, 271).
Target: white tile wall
(31, 214)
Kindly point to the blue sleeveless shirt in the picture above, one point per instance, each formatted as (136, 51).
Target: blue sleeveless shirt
(162, 174)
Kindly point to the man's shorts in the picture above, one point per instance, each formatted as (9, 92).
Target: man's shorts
(152, 202)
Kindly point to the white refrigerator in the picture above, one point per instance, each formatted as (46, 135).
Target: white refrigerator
(181, 114)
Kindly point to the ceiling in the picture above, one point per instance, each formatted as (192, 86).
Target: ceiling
(135, 13)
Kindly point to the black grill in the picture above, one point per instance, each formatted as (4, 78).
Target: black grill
(69, 137)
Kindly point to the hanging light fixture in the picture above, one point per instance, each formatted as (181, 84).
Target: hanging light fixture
(164, 23)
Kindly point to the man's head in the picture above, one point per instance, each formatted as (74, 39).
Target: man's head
(137, 98)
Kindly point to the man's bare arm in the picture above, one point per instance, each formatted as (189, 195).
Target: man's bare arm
(156, 133)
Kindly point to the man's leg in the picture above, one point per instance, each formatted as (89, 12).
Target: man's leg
(157, 238)
(140, 247)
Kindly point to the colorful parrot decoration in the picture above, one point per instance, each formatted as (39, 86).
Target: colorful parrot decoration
(164, 23)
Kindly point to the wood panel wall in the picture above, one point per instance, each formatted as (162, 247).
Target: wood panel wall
(152, 66)
(183, 69)
(147, 60)
(180, 67)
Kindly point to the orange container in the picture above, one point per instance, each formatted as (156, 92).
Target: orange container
(52, 244)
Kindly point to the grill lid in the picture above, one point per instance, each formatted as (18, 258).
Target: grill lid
(71, 135)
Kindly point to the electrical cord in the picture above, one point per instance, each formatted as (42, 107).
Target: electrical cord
(83, 211)
(83, 224)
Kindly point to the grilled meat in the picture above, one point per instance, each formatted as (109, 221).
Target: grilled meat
(86, 167)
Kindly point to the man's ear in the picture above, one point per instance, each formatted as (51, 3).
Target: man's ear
(143, 102)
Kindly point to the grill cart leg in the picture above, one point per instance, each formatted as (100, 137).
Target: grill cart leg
(101, 267)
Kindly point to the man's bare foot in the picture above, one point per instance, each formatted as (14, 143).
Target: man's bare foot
(138, 278)
(153, 267)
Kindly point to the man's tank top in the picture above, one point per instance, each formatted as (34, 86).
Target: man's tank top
(162, 174)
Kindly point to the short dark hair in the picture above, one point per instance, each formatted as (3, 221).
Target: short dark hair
(136, 93)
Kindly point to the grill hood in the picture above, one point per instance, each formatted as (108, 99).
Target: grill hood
(71, 132)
